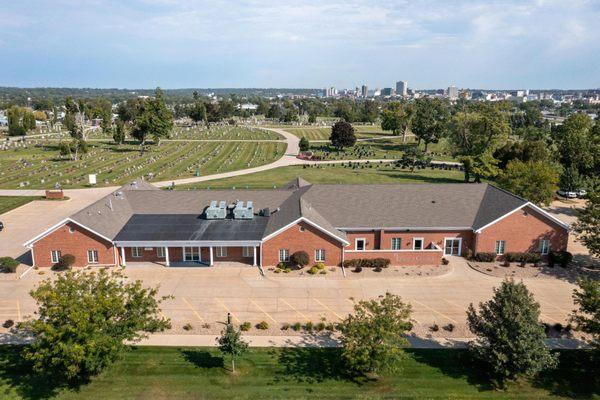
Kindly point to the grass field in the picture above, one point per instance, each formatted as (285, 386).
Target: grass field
(323, 133)
(40, 165)
(8, 203)
(215, 132)
(292, 373)
(358, 174)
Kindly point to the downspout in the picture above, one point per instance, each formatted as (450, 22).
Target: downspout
(343, 268)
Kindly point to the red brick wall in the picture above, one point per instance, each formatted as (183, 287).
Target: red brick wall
(382, 240)
(234, 254)
(309, 240)
(522, 231)
(400, 257)
(76, 243)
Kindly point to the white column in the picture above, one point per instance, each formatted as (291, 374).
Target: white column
(254, 256)
(123, 262)
(167, 263)
(210, 250)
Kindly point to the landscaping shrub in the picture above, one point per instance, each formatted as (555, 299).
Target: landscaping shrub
(319, 265)
(297, 326)
(245, 327)
(8, 264)
(485, 257)
(449, 327)
(313, 270)
(285, 326)
(188, 327)
(357, 269)
(368, 263)
(562, 258)
(8, 323)
(263, 325)
(320, 326)
(64, 263)
(435, 328)
(308, 326)
(445, 261)
(322, 272)
(281, 265)
(522, 257)
(299, 258)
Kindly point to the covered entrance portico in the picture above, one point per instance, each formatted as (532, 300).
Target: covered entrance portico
(190, 253)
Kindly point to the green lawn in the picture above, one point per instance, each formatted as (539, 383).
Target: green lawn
(291, 373)
(361, 174)
(323, 133)
(38, 164)
(214, 132)
(8, 203)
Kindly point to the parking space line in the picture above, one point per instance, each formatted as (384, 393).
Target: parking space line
(19, 311)
(264, 312)
(455, 305)
(553, 306)
(227, 309)
(329, 309)
(435, 311)
(187, 303)
(294, 308)
(549, 318)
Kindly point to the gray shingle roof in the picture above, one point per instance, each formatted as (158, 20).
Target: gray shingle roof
(143, 213)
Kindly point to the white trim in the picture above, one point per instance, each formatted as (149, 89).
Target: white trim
(323, 253)
(95, 256)
(286, 257)
(503, 247)
(221, 251)
(536, 208)
(123, 261)
(394, 251)
(422, 243)
(58, 225)
(364, 240)
(542, 252)
(304, 219)
(167, 261)
(407, 228)
(188, 243)
(138, 253)
(459, 245)
(52, 253)
(160, 249)
(392, 243)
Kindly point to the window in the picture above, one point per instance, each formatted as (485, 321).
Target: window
(418, 243)
(544, 246)
(248, 251)
(499, 249)
(359, 244)
(396, 243)
(55, 256)
(221, 252)
(302, 229)
(136, 252)
(284, 255)
(320, 255)
(160, 252)
(92, 256)
(71, 229)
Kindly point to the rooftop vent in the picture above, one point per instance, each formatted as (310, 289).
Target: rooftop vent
(214, 211)
(243, 212)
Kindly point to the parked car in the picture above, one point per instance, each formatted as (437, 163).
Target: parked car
(581, 193)
(1, 226)
(567, 193)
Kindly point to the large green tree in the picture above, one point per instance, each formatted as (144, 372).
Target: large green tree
(397, 117)
(342, 135)
(588, 224)
(85, 318)
(154, 119)
(373, 337)
(587, 316)
(510, 337)
(533, 180)
(429, 120)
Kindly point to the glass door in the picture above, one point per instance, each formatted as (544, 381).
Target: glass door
(191, 254)
(452, 247)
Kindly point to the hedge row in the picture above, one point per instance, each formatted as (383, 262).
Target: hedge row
(523, 257)
(368, 263)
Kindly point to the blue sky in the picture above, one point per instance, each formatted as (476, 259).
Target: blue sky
(300, 43)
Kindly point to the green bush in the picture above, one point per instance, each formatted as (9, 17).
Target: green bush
(299, 258)
(319, 265)
(297, 326)
(522, 257)
(368, 263)
(188, 327)
(562, 258)
(313, 270)
(8, 264)
(485, 256)
(308, 327)
(263, 325)
(285, 326)
(64, 263)
(320, 326)
(445, 261)
(245, 327)
(281, 265)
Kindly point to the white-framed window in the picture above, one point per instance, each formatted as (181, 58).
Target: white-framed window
(500, 245)
(248, 251)
(221, 252)
(418, 243)
(360, 243)
(544, 246)
(320, 255)
(284, 255)
(71, 229)
(92, 256)
(136, 252)
(55, 256)
(396, 243)
(160, 252)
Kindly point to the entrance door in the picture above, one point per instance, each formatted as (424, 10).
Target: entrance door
(452, 247)
(191, 254)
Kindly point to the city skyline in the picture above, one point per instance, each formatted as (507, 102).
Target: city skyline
(175, 44)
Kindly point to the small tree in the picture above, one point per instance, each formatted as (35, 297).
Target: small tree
(510, 338)
(66, 261)
(373, 337)
(300, 258)
(84, 320)
(413, 158)
(587, 317)
(8, 264)
(119, 132)
(231, 344)
(342, 135)
(588, 225)
(304, 144)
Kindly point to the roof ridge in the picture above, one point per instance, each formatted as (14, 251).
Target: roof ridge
(507, 192)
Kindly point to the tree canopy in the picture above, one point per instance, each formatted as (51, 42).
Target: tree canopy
(342, 135)
(153, 119)
(535, 181)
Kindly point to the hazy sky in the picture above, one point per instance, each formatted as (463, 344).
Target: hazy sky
(300, 43)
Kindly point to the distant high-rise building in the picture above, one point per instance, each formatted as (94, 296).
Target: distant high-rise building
(452, 92)
(364, 91)
(402, 88)
(388, 91)
(331, 92)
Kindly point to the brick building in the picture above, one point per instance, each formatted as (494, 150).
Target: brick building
(411, 224)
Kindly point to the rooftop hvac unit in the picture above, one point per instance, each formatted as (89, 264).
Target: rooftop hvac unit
(216, 212)
(243, 212)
